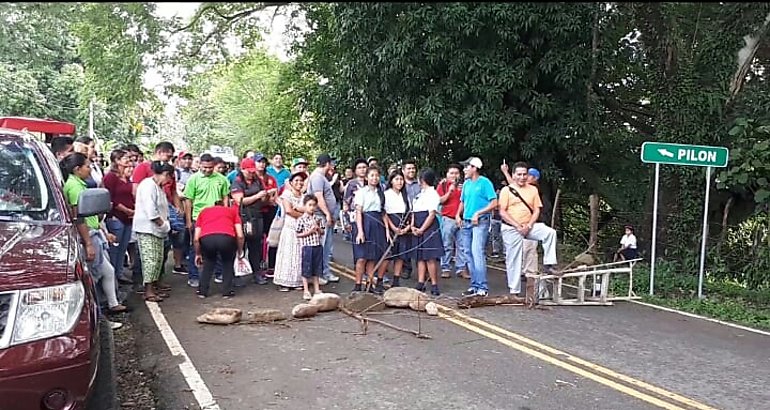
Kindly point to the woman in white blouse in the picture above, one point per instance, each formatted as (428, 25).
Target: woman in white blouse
(430, 247)
(399, 223)
(370, 242)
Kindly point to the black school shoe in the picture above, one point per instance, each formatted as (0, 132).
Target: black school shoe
(378, 290)
(420, 286)
(434, 290)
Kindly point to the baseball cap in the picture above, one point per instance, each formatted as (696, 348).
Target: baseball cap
(247, 164)
(370, 159)
(324, 159)
(259, 157)
(534, 172)
(183, 154)
(298, 161)
(474, 161)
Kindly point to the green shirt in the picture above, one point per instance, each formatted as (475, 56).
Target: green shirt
(205, 191)
(72, 189)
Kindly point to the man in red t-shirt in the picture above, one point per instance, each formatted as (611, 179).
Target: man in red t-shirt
(180, 240)
(450, 190)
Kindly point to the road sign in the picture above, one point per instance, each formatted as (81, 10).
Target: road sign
(681, 154)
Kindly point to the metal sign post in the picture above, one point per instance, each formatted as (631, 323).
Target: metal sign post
(705, 234)
(680, 154)
(654, 227)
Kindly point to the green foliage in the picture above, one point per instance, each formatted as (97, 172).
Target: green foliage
(750, 159)
(56, 57)
(249, 103)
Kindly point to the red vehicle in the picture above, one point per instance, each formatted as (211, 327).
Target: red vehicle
(55, 351)
(47, 128)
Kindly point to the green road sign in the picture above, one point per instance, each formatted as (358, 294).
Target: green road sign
(681, 154)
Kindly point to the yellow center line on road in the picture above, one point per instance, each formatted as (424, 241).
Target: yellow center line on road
(559, 358)
(566, 366)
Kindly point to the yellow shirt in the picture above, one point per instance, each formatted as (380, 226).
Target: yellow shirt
(515, 207)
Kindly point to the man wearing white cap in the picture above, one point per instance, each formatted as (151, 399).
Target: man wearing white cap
(477, 201)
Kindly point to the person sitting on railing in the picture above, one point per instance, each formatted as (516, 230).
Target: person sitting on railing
(627, 249)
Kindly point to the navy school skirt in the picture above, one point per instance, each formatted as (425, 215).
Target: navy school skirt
(429, 245)
(374, 234)
(403, 249)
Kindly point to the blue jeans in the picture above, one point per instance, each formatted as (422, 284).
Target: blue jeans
(495, 236)
(118, 253)
(192, 269)
(450, 235)
(328, 247)
(474, 242)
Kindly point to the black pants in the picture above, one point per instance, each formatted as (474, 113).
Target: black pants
(254, 244)
(212, 247)
(272, 251)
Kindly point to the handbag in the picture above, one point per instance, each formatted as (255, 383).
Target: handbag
(274, 234)
(242, 266)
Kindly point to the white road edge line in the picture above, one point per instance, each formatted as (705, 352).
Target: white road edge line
(192, 377)
(708, 319)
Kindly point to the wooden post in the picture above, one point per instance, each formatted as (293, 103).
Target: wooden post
(593, 239)
(555, 208)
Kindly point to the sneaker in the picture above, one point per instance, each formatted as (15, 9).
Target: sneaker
(181, 270)
(378, 290)
(307, 296)
(332, 278)
(357, 287)
(193, 283)
(396, 282)
(228, 295)
(115, 325)
(481, 293)
(260, 280)
(322, 281)
(470, 292)
(434, 290)
(446, 274)
(420, 286)
(269, 274)
(218, 279)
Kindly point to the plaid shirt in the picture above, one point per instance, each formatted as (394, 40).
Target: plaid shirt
(304, 224)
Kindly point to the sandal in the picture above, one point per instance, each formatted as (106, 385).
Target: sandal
(164, 288)
(119, 309)
(162, 294)
(153, 298)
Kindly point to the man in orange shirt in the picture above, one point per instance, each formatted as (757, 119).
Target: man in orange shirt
(519, 210)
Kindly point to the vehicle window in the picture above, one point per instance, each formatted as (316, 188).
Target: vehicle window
(23, 188)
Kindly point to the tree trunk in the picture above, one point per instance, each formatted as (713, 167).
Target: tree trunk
(725, 216)
(593, 239)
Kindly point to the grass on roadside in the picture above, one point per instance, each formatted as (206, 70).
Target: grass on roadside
(723, 300)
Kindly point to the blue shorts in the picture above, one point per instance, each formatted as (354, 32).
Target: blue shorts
(312, 261)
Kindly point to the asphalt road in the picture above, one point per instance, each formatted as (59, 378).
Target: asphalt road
(624, 356)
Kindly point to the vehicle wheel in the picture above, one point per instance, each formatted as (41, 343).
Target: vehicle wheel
(104, 395)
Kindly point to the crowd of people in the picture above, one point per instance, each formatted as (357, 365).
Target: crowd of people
(281, 219)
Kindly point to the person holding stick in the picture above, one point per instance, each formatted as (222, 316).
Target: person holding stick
(399, 225)
(430, 247)
(370, 242)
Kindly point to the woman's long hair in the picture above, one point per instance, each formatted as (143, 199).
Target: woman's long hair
(115, 156)
(380, 191)
(70, 162)
(391, 177)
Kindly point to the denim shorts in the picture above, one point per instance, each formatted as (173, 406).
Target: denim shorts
(312, 261)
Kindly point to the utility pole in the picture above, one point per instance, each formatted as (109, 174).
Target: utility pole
(91, 118)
